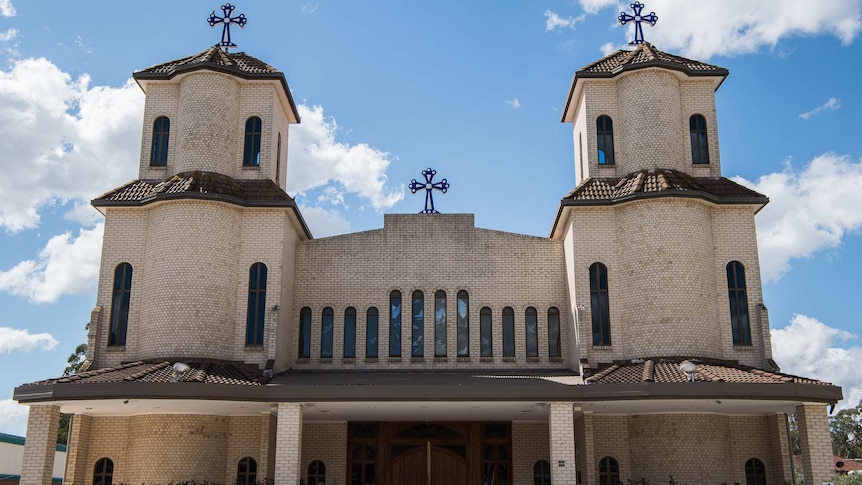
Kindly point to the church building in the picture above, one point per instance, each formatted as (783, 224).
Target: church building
(228, 345)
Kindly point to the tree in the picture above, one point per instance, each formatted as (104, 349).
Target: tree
(846, 429)
(75, 361)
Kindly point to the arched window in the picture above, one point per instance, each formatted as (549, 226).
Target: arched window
(609, 471)
(251, 151)
(304, 333)
(605, 140)
(755, 472)
(699, 147)
(554, 346)
(278, 158)
(246, 471)
(542, 473)
(531, 327)
(599, 304)
(103, 472)
(440, 323)
(372, 317)
(417, 339)
(326, 323)
(120, 304)
(256, 304)
(161, 133)
(316, 473)
(349, 333)
(486, 339)
(395, 324)
(463, 308)
(508, 332)
(738, 304)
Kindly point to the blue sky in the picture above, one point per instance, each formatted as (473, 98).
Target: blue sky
(472, 89)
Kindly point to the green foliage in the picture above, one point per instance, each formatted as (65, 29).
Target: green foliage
(75, 361)
(855, 479)
(846, 428)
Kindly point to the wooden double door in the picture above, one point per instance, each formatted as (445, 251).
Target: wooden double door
(428, 465)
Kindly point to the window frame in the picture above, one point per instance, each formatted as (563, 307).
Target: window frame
(349, 349)
(486, 332)
(555, 345)
(699, 139)
(255, 324)
(247, 476)
(327, 319)
(605, 141)
(417, 324)
(600, 305)
(372, 338)
(755, 472)
(395, 323)
(509, 332)
(107, 471)
(160, 142)
(462, 302)
(440, 345)
(531, 332)
(609, 471)
(317, 471)
(542, 472)
(304, 340)
(121, 302)
(251, 147)
(737, 294)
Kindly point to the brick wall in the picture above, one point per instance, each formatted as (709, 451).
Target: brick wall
(326, 442)
(530, 444)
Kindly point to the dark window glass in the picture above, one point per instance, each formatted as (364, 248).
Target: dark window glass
(395, 324)
(738, 303)
(599, 304)
(120, 304)
(316, 473)
(305, 333)
(605, 140)
(440, 323)
(531, 326)
(326, 327)
(755, 472)
(463, 324)
(609, 471)
(161, 133)
(554, 346)
(371, 321)
(349, 333)
(508, 332)
(246, 471)
(486, 332)
(542, 473)
(251, 151)
(699, 148)
(103, 472)
(256, 310)
(417, 340)
(278, 158)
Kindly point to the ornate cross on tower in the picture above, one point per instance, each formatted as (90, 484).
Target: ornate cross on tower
(429, 186)
(625, 18)
(226, 21)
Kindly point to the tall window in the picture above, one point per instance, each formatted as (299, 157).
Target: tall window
(531, 326)
(738, 303)
(304, 333)
(103, 472)
(755, 472)
(316, 473)
(326, 323)
(486, 340)
(161, 133)
(440, 323)
(349, 333)
(508, 332)
(256, 304)
(463, 324)
(251, 151)
(395, 324)
(554, 347)
(246, 471)
(542, 473)
(372, 317)
(599, 304)
(605, 140)
(609, 471)
(278, 158)
(120, 304)
(417, 340)
(699, 147)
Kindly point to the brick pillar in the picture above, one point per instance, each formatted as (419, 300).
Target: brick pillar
(561, 431)
(585, 450)
(815, 443)
(265, 467)
(77, 450)
(38, 464)
(780, 444)
(288, 447)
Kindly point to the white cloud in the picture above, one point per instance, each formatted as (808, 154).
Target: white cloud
(12, 339)
(593, 6)
(6, 8)
(514, 103)
(66, 265)
(831, 105)
(810, 348)
(309, 8)
(554, 21)
(608, 48)
(13, 417)
(80, 43)
(323, 222)
(8, 35)
(808, 211)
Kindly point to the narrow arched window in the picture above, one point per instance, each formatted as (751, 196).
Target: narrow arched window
(417, 337)
(755, 472)
(463, 308)
(251, 151)
(605, 140)
(739, 324)
(256, 304)
(542, 473)
(120, 304)
(161, 133)
(349, 333)
(508, 332)
(103, 472)
(395, 324)
(316, 473)
(304, 333)
(440, 323)
(609, 471)
(327, 320)
(699, 147)
(246, 471)
(554, 346)
(278, 158)
(372, 317)
(599, 304)
(486, 341)
(531, 328)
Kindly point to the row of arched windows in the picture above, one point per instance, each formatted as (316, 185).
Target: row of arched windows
(697, 133)
(246, 472)
(609, 472)
(250, 152)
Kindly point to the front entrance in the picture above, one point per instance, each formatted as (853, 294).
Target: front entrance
(428, 465)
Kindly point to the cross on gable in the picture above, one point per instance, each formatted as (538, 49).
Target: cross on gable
(429, 186)
(226, 21)
(637, 18)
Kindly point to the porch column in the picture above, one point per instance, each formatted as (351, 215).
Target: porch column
(561, 424)
(77, 450)
(288, 446)
(39, 447)
(815, 443)
(780, 444)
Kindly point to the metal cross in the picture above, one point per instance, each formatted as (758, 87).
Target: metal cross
(226, 21)
(442, 186)
(625, 18)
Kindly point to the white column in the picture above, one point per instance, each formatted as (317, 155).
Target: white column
(288, 444)
(561, 424)
(38, 464)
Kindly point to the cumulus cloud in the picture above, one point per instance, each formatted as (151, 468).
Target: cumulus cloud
(13, 417)
(324, 222)
(6, 8)
(553, 21)
(8, 35)
(810, 348)
(832, 104)
(514, 103)
(12, 339)
(608, 48)
(809, 210)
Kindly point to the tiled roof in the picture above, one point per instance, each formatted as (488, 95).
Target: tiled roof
(664, 370)
(646, 55)
(213, 58)
(210, 372)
